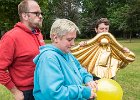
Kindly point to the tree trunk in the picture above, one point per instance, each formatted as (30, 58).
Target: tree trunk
(130, 37)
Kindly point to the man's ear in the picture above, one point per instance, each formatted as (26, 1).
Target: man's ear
(24, 16)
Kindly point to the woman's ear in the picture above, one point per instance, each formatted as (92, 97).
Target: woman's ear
(54, 37)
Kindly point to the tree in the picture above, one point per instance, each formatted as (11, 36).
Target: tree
(124, 17)
(60, 9)
(91, 11)
(8, 14)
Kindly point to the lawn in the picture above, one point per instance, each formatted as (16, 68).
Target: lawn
(128, 78)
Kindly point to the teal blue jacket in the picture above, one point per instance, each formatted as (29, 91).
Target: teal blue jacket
(59, 76)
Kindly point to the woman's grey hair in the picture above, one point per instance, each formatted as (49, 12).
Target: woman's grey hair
(62, 27)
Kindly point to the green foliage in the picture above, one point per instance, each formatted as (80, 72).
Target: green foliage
(8, 14)
(123, 14)
(91, 11)
(124, 17)
(134, 16)
(117, 17)
(46, 17)
(53, 9)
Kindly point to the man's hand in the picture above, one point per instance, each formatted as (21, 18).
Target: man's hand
(18, 95)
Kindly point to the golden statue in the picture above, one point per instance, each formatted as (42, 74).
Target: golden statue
(102, 56)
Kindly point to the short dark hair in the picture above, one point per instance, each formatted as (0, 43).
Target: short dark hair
(102, 20)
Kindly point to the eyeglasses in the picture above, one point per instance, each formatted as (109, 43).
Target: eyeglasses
(36, 13)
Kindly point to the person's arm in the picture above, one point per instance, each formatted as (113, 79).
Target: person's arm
(51, 82)
(7, 48)
(6, 59)
(87, 78)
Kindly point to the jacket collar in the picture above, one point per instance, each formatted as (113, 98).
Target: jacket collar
(23, 27)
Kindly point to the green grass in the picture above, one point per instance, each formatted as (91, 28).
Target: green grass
(128, 78)
(5, 94)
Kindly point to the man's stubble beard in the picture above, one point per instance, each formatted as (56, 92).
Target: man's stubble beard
(35, 24)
